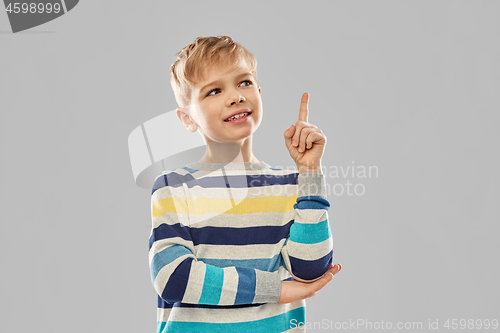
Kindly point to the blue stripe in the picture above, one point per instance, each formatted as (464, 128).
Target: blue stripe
(312, 202)
(308, 233)
(240, 236)
(162, 304)
(311, 269)
(222, 235)
(165, 257)
(279, 323)
(174, 179)
(265, 264)
(246, 285)
(189, 169)
(212, 285)
(242, 181)
(176, 285)
(164, 231)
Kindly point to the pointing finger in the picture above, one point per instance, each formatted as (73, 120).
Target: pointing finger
(304, 111)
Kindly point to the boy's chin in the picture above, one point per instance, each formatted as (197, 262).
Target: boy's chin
(242, 137)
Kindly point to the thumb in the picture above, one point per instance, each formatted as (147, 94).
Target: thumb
(288, 135)
(319, 284)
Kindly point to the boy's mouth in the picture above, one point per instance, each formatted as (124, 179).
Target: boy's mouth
(238, 116)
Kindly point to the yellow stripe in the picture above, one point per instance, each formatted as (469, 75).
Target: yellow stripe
(175, 205)
(205, 205)
(246, 206)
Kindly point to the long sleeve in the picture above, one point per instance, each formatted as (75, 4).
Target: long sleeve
(308, 252)
(176, 273)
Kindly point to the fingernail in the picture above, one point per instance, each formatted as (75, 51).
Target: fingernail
(295, 143)
(301, 150)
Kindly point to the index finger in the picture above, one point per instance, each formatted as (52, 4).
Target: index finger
(304, 111)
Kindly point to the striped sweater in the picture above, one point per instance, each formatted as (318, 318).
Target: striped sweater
(222, 241)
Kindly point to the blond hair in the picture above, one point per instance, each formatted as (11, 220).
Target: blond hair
(202, 54)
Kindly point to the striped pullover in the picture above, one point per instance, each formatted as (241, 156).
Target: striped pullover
(223, 238)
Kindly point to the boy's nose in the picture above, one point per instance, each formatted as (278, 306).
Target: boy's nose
(236, 98)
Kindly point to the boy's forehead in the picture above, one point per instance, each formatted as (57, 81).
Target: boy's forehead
(209, 73)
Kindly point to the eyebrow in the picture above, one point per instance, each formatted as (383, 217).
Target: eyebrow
(217, 82)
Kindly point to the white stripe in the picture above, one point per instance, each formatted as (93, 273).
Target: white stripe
(162, 314)
(310, 216)
(284, 273)
(226, 220)
(195, 282)
(170, 218)
(239, 221)
(309, 251)
(229, 286)
(162, 244)
(168, 192)
(240, 193)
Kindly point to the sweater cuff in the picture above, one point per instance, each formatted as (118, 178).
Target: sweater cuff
(267, 287)
(312, 184)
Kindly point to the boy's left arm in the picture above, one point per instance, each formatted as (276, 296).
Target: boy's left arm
(308, 252)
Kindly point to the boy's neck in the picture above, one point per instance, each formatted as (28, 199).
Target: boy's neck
(227, 152)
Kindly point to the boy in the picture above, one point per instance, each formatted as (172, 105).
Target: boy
(235, 244)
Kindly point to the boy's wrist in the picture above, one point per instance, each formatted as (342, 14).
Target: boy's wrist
(318, 170)
(310, 169)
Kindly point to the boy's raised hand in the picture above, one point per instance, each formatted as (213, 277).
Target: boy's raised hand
(305, 141)
(292, 291)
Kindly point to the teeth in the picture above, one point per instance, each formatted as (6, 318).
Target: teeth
(238, 116)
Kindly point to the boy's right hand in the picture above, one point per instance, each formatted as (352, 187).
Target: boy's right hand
(292, 291)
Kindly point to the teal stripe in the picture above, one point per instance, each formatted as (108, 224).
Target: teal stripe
(212, 285)
(165, 257)
(161, 327)
(307, 233)
(277, 323)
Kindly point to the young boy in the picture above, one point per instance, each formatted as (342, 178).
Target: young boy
(237, 246)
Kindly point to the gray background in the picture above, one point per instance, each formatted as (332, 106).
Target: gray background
(411, 87)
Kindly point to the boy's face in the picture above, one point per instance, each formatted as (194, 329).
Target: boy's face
(218, 95)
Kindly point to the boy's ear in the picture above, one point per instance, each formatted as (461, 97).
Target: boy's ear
(186, 119)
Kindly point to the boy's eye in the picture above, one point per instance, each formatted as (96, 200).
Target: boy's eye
(213, 90)
(217, 90)
(247, 81)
